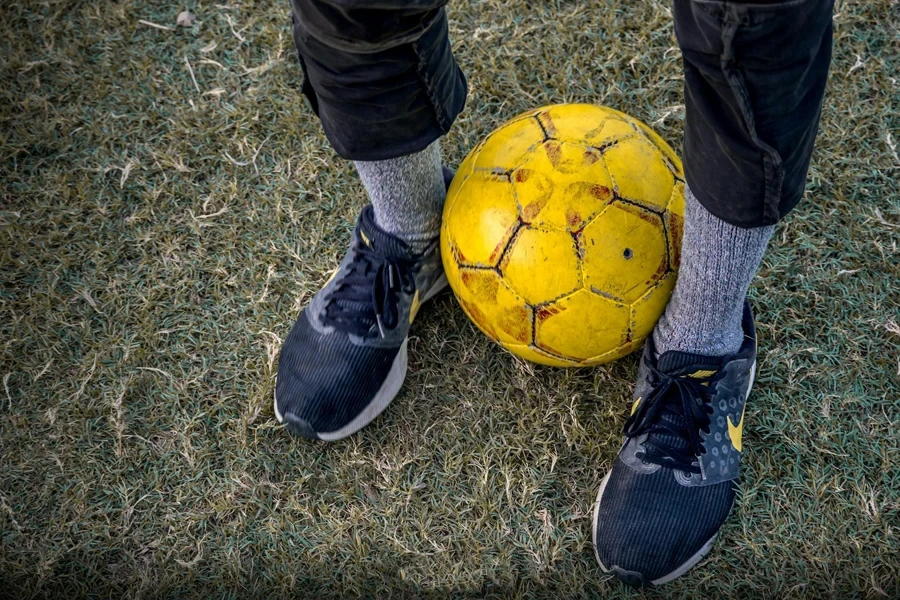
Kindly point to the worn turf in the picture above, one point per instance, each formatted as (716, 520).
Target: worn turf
(169, 203)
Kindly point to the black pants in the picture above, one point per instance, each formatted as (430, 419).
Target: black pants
(382, 78)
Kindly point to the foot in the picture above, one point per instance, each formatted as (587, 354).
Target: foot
(345, 358)
(674, 481)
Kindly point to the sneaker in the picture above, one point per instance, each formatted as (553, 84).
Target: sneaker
(674, 481)
(345, 358)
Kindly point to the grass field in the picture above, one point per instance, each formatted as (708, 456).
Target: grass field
(169, 203)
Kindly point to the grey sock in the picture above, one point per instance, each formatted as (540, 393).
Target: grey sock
(408, 194)
(718, 261)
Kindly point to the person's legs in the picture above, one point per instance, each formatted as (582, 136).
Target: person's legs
(383, 81)
(718, 261)
(754, 82)
(407, 194)
(386, 86)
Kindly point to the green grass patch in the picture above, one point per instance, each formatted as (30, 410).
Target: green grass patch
(168, 203)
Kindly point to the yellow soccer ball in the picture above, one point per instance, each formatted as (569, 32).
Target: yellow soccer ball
(561, 233)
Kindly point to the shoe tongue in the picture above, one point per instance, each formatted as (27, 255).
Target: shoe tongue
(674, 362)
(378, 239)
(382, 243)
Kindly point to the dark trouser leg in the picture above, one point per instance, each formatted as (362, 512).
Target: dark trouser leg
(754, 81)
(383, 80)
(381, 77)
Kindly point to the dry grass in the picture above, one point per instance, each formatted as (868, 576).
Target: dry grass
(168, 205)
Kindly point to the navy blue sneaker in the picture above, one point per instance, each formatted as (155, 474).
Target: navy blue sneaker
(674, 481)
(345, 358)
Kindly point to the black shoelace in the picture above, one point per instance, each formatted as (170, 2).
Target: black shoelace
(369, 293)
(677, 409)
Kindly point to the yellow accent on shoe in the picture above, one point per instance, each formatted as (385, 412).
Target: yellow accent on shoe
(635, 405)
(702, 373)
(414, 307)
(365, 238)
(736, 432)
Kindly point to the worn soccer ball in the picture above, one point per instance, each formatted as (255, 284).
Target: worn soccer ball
(561, 233)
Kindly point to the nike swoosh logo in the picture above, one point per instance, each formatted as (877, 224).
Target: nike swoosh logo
(736, 432)
(414, 307)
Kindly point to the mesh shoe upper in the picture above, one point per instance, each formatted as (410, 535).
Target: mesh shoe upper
(344, 344)
(649, 524)
(324, 381)
(674, 480)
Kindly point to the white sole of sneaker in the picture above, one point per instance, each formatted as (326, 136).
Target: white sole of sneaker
(689, 563)
(385, 394)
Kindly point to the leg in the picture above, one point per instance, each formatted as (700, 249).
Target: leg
(386, 86)
(754, 82)
(382, 80)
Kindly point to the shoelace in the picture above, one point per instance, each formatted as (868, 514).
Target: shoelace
(369, 293)
(685, 401)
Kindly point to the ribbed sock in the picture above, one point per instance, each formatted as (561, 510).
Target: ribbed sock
(718, 261)
(408, 194)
